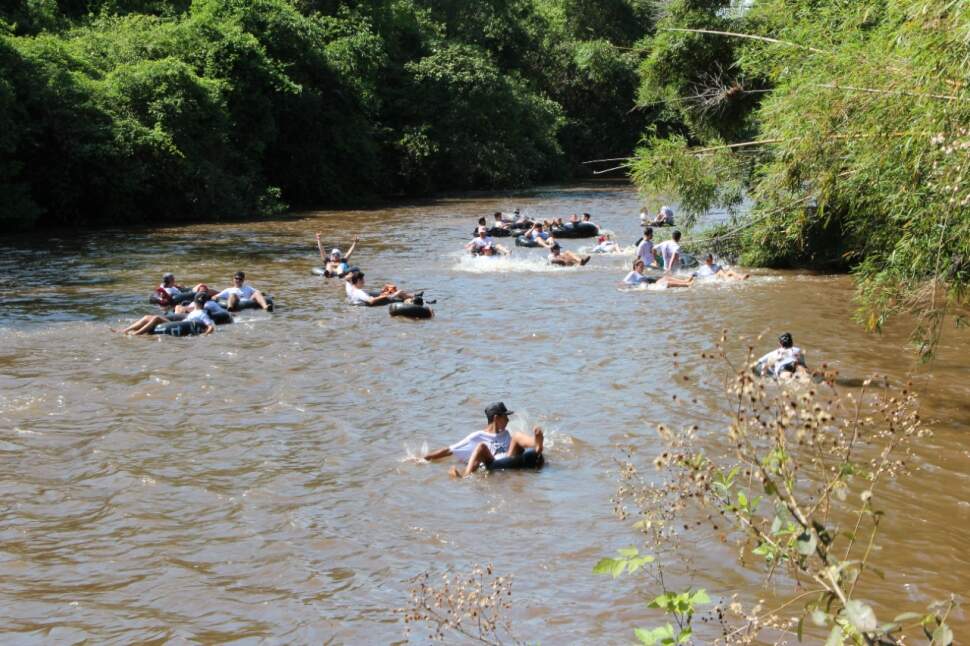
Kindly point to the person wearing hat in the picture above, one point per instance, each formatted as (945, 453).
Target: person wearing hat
(494, 447)
(240, 291)
(787, 359)
(484, 244)
(565, 258)
(336, 264)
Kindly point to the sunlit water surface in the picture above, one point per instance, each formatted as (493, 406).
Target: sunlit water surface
(260, 484)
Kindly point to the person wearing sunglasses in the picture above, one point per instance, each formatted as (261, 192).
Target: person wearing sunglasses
(239, 292)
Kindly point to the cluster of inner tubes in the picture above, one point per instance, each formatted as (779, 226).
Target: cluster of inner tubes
(178, 326)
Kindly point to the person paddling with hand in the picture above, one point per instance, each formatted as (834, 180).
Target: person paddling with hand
(494, 447)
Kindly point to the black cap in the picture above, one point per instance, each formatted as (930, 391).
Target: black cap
(785, 340)
(497, 408)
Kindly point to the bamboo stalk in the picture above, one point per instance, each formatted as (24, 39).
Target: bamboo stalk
(748, 36)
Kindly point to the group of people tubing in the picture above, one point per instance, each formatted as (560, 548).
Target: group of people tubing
(494, 447)
(336, 265)
(666, 255)
(201, 306)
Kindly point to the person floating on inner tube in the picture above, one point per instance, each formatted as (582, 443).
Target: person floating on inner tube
(669, 250)
(664, 218)
(587, 220)
(357, 295)
(542, 237)
(484, 244)
(494, 447)
(606, 244)
(169, 287)
(711, 270)
(565, 258)
(500, 221)
(787, 360)
(147, 324)
(336, 263)
(636, 277)
(241, 291)
(211, 306)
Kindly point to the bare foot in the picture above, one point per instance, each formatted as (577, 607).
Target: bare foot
(540, 438)
(454, 472)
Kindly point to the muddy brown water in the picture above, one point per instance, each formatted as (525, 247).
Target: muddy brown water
(256, 486)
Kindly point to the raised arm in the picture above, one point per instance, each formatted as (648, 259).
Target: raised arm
(353, 245)
(320, 249)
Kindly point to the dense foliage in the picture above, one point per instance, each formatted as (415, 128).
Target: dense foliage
(144, 110)
(847, 123)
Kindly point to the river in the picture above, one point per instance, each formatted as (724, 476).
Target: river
(259, 484)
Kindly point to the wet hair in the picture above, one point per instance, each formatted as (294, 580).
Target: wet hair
(648, 232)
(785, 340)
(555, 247)
(239, 274)
(201, 298)
(481, 221)
(710, 257)
(676, 235)
(586, 216)
(354, 275)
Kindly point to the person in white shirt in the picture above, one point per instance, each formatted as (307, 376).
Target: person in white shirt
(636, 277)
(669, 250)
(786, 360)
(357, 296)
(210, 306)
(643, 217)
(494, 447)
(606, 244)
(710, 269)
(645, 249)
(484, 244)
(587, 220)
(240, 291)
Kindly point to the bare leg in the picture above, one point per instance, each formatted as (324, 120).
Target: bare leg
(149, 326)
(259, 298)
(232, 303)
(481, 455)
(134, 326)
(670, 281)
(521, 442)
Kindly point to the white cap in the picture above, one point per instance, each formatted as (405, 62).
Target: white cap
(666, 210)
(335, 252)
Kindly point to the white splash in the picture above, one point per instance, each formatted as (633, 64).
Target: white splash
(528, 262)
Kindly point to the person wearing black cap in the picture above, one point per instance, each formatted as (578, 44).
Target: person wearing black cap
(786, 359)
(494, 447)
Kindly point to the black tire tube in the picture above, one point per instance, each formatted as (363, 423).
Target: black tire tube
(180, 328)
(528, 459)
(410, 310)
(248, 304)
(577, 230)
(522, 241)
(220, 318)
(181, 299)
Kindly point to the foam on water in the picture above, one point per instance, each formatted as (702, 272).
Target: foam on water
(534, 263)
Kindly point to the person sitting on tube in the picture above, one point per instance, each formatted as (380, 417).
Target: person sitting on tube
(787, 360)
(494, 447)
(565, 258)
(240, 291)
(484, 244)
(357, 296)
(540, 236)
(336, 264)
